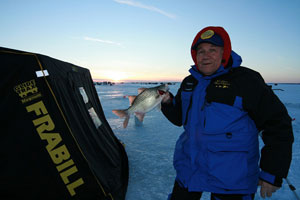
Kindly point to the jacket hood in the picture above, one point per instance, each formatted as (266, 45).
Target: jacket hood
(226, 41)
(236, 60)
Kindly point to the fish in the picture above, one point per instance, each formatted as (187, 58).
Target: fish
(145, 101)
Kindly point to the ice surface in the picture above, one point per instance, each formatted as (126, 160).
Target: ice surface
(150, 145)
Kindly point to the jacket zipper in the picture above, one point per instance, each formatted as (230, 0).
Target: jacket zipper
(202, 108)
(188, 110)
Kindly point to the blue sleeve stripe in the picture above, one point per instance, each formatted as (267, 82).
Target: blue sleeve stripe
(267, 177)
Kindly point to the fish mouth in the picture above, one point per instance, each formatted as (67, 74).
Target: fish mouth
(161, 92)
(163, 89)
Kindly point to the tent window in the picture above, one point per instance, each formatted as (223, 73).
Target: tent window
(95, 117)
(91, 110)
(83, 94)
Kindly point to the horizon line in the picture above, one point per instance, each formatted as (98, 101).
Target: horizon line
(139, 80)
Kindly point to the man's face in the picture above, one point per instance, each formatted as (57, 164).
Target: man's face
(209, 58)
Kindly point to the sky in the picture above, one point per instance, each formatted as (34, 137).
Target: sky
(150, 40)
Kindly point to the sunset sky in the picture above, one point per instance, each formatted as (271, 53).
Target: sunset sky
(150, 39)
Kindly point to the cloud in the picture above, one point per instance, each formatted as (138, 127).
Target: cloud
(151, 8)
(102, 41)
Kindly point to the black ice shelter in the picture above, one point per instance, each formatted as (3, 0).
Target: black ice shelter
(55, 141)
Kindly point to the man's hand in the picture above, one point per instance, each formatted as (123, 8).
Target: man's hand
(266, 188)
(167, 98)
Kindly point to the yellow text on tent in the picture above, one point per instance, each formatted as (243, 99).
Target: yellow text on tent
(59, 154)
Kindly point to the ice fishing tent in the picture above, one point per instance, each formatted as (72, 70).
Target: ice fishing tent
(55, 141)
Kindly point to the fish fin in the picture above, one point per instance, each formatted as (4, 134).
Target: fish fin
(137, 122)
(158, 106)
(120, 113)
(140, 116)
(131, 98)
(140, 90)
(125, 123)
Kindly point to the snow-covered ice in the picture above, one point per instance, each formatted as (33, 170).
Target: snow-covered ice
(150, 145)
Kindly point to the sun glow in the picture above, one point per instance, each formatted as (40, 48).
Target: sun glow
(115, 75)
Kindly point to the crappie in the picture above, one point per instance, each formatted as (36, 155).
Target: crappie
(148, 99)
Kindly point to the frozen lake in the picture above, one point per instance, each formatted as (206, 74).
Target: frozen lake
(150, 145)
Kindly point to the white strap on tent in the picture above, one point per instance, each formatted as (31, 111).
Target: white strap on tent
(42, 73)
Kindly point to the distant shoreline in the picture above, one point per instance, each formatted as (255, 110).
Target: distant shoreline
(285, 83)
(105, 82)
(135, 82)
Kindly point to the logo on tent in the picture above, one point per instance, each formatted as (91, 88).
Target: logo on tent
(28, 91)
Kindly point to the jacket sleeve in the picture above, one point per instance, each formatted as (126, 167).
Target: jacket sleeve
(272, 119)
(172, 109)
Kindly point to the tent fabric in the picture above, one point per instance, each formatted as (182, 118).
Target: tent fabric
(55, 140)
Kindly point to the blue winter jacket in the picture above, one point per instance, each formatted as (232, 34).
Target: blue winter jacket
(219, 151)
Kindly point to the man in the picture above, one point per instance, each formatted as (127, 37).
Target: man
(223, 107)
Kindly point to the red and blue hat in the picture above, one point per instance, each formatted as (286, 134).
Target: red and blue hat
(209, 36)
(215, 35)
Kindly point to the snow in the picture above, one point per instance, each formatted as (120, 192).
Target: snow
(150, 145)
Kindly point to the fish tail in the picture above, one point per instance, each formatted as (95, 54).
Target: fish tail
(122, 114)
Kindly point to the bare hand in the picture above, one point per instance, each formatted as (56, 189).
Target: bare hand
(266, 189)
(167, 98)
